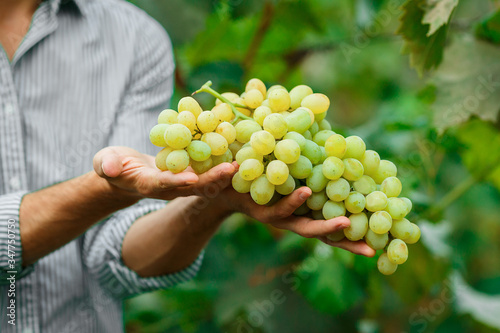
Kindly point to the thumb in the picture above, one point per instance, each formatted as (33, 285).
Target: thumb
(107, 163)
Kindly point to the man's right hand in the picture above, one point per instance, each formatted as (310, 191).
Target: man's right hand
(137, 175)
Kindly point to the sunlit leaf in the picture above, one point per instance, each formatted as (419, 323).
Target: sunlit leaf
(437, 13)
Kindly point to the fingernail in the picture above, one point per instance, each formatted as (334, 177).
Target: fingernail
(102, 168)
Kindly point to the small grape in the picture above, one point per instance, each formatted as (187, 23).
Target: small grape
(321, 137)
(324, 125)
(316, 181)
(333, 168)
(247, 152)
(356, 147)
(401, 229)
(241, 185)
(223, 112)
(227, 157)
(414, 235)
(161, 158)
(187, 119)
(207, 122)
(157, 135)
(385, 266)
(370, 161)
(287, 151)
(391, 186)
(317, 103)
(336, 146)
(301, 169)
(217, 143)
(199, 151)
(274, 87)
(353, 169)
(307, 135)
(376, 241)
(245, 129)
(317, 200)
(277, 172)
(261, 190)
(275, 124)
(397, 251)
(253, 98)
(298, 121)
(202, 167)
(227, 130)
(279, 100)
(338, 190)
(177, 161)
(168, 116)
(336, 236)
(312, 152)
(314, 129)
(355, 202)
(263, 142)
(189, 104)
(365, 185)
(320, 116)
(386, 169)
(376, 201)
(251, 169)
(178, 136)
(358, 227)
(297, 94)
(261, 113)
(333, 209)
(297, 137)
(302, 210)
(397, 208)
(380, 222)
(230, 96)
(317, 215)
(408, 203)
(287, 187)
(256, 84)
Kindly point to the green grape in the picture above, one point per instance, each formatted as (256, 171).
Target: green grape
(302, 210)
(358, 227)
(320, 116)
(284, 113)
(207, 122)
(414, 235)
(161, 158)
(376, 201)
(243, 110)
(323, 155)
(316, 180)
(199, 150)
(276, 124)
(317, 200)
(239, 184)
(287, 151)
(385, 266)
(253, 98)
(235, 147)
(262, 142)
(307, 135)
(301, 169)
(187, 119)
(401, 229)
(312, 152)
(324, 125)
(256, 84)
(397, 208)
(287, 187)
(355, 202)
(386, 169)
(356, 147)
(273, 87)
(317, 103)
(397, 251)
(266, 103)
(178, 136)
(391, 186)
(276, 197)
(189, 104)
(321, 137)
(177, 161)
(261, 113)
(317, 215)
(230, 96)
(333, 209)
(203, 166)
(298, 121)
(408, 202)
(247, 152)
(365, 185)
(338, 190)
(277, 172)
(261, 190)
(353, 169)
(297, 137)
(337, 236)
(223, 112)
(376, 241)
(227, 130)
(370, 161)
(227, 157)
(279, 100)
(314, 129)
(297, 94)
(251, 169)
(245, 129)
(380, 222)
(168, 116)
(336, 146)
(217, 142)
(157, 135)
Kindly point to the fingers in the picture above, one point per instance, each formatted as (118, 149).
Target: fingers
(107, 163)
(168, 180)
(358, 247)
(310, 228)
(286, 206)
(219, 175)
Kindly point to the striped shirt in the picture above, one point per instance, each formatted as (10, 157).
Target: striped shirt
(88, 74)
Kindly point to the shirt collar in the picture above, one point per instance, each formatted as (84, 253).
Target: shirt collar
(80, 4)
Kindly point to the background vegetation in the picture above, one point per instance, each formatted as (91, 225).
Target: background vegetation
(421, 84)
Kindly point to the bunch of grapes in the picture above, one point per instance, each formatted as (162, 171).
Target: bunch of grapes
(281, 141)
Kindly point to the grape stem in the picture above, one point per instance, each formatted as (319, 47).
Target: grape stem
(237, 114)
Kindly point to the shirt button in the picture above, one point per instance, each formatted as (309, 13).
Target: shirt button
(9, 109)
(15, 183)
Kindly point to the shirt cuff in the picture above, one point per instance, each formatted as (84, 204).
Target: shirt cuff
(11, 264)
(105, 256)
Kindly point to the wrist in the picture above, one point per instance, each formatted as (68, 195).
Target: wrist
(111, 193)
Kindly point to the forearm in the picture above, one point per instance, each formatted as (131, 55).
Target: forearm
(170, 239)
(52, 217)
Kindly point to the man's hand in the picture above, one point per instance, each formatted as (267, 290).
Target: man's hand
(280, 216)
(137, 174)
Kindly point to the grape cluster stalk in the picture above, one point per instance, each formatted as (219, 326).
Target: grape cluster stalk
(282, 141)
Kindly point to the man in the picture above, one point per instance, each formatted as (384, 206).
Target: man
(77, 76)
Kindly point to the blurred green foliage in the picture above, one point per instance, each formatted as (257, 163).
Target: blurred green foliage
(440, 127)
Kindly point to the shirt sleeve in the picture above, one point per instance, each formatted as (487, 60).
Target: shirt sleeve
(10, 239)
(148, 93)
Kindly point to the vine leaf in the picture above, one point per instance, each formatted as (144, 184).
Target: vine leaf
(437, 14)
(425, 50)
(489, 29)
(468, 82)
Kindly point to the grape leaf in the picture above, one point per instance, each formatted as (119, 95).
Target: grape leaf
(489, 29)
(468, 82)
(426, 51)
(437, 13)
